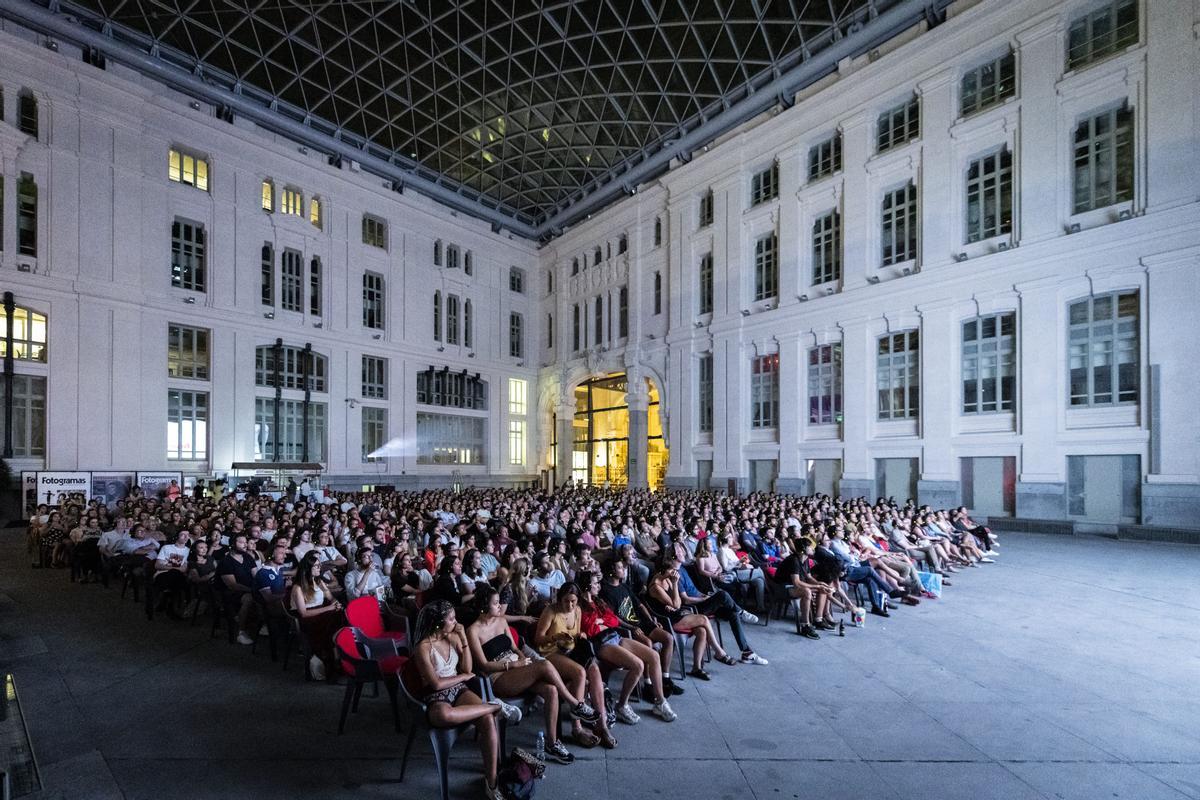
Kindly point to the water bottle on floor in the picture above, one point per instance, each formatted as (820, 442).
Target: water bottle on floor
(541, 746)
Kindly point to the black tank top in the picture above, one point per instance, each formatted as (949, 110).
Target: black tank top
(497, 646)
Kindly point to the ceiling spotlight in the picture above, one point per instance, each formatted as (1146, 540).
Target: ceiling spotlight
(1002, 246)
(1125, 214)
(873, 279)
(194, 105)
(803, 298)
(699, 324)
(191, 301)
(377, 336)
(960, 257)
(441, 349)
(745, 312)
(318, 324)
(906, 271)
(1073, 228)
(269, 314)
(52, 45)
(829, 289)
(303, 150)
(470, 355)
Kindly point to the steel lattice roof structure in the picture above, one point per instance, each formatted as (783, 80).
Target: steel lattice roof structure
(530, 115)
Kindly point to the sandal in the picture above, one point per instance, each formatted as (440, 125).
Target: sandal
(607, 741)
(585, 738)
(698, 672)
(727, 660)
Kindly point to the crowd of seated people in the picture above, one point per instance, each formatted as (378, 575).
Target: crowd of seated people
(542, 593)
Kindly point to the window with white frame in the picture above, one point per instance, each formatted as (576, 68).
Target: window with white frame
(291, 201)
(268, 195)
(374, 430)
(764, 185)
(292, 368)
(28, 417)
(187, 255)
(441, 387)
(187, 168)
(598, 330)
(516, 280)
(375, 233)
(451, 439)
(1101, 32)
(452, 256)
(657, 232)
(287, 437)
(827, 248)
(27, 113)
(989, 368)
(658, 293)
(374, 378)
(988, 84)
(451, 319)
(623, 312)
(1102, 339)
(187, 425)
(766, 266)
(314, 286)
(898, 375)
(898, 125)
(825, 384)
(622, 244)
(899, 225)
(267, 275)
(373, 301)
(706, 209)
(28, 335)
(468, 263)
(437, 253)
(825, 157)
(187, 352)
(291, 281)
(27, 214)
(468, 334)
(314, 212)
(575, 323)
(704, 393)
(706, 283)
(764, 391)
(437, 316)
(516, 442)
(516, 335)
(989, 196)
(518, 391)
(1104, 160)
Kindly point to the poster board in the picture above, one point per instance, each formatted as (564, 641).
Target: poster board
(52, 486)
(112, 487)
(154, 484)
(29, 492)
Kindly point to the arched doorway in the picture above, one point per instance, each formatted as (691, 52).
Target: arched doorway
(607, 417)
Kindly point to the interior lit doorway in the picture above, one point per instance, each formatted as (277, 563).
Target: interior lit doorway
(600, 446)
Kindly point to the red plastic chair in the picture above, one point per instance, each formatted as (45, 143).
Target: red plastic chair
(360, 669)
(366, 615)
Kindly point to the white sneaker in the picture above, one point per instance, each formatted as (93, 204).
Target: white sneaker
(747, 617)
(625, 714)
(316, 668)
(754, 658)
(987, 560)
(511, 713)
(663, 711)
(244, 639)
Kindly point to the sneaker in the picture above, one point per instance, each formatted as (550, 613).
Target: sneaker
(808, 632)
(559, 753)
(316, 668)
(625, 714)
(242, 638)
(491, 792)
(511, 714)
(671, 687)
(880, 612)
(986, 560)
(583, 712)
(752, 657)
(747, 617)
(825, 625)
(663, 711)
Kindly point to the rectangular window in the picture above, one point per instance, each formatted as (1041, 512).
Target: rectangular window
(291, 201)
(291, 277)
(187, 352)
(516, 335)
(989, 196)
(27, 203)
(314, 212)
(374, 430)
(575, 328)
(898, 375)
(517, 396)
(899, 223)
(467, 331)
(766, 267)
(516, 442)
(451, 256)
(827, 248)
(437, 316)
(268, 196)
(704, 393)
(706, 209)
(1104, 160)
(825, 158)
(1101, 33)
(374, 232)
(29, 416)
(27, 113)
(898, 125)
(657, 293)
(187, 168)
(988, 84)
(516, 280)
(28, 335)
(267, 275)
(290, 432)
(374, 378)
(598, 330)
(764, 185)
(825, 384)
(1102, 338)
(451, 319)
(706, 283)
(764, 392)
(623, 312)
(187, 425)
(314, 287)
(467, 263)
(373, 301)
(549, 331)
(451, 439)
(187, 255)
(455, 389)
(989, 363)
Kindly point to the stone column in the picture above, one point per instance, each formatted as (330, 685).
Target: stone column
(638, 400)
(1041, 490)
(792, 403)
(1040, 61)
(938, 108)
(564, 435)
(858, 359)
(860, 209)
(939, 482)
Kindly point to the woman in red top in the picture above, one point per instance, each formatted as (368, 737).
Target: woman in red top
(602, 627)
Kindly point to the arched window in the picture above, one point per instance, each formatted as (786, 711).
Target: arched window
(575, 267)
(28, 333)
(437, 253)
(622, 244)
(657, 231)
(290, 369)
(597, 255)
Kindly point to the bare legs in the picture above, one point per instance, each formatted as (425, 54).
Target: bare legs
(470, 708)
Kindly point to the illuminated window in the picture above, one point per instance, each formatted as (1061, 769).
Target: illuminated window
(516, 442)
(764, 392)
(374, 233)
(183, 167)
(517, 390)
(268, 195)
(187, 352)
(291, 201)
(28, 333)
(187, 425)
(314, 211)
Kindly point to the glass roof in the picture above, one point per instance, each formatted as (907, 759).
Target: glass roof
(524, 108)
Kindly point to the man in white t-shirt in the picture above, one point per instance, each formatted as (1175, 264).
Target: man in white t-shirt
(170, 573)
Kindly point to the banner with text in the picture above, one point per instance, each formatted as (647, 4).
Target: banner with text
(52, 487)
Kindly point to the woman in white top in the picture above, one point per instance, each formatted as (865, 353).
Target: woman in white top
(301, 543)
(320, 615)
(170, 573)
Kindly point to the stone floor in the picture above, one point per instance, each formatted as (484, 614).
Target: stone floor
(1071, 669)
